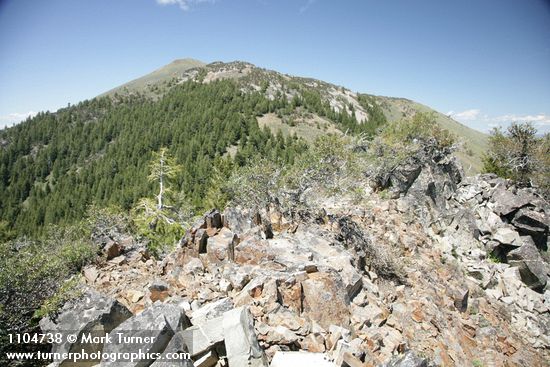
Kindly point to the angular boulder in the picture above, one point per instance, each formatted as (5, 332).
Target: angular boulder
(534, 224)
(222, 246)
(532, 268)
(213, 219)
(325, 299)
(241, 343)
(211, 310)
(92, 314)
(238, 220)
(176, 347)
(506, 202)
(149, 332)
(203, 337)
(404, 176)
(507, 236)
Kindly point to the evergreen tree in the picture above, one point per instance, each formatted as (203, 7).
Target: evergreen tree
(163, 169)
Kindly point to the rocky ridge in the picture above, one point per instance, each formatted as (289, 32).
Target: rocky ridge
(445, 272)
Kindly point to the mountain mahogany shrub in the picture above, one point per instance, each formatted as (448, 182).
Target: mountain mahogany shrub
(411, 132)
(111, 221)
(331, 165)
(401, 140)
(519, 154)
(256, 184)
(69, 290)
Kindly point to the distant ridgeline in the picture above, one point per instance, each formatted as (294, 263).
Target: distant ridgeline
(53, 166)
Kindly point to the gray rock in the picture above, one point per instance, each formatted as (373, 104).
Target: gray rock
(213, 219)
(92, 314)
(238, 220)
(148, 332)
(464, 220)
(507, 202)
(460, 299)
(211, 310)
(222, 246)
(236, 277)
(177, 346)
(494, 221)
(203, 337)
(194, 266)
(507, 236)
(533, 223)
(241, 343)
(404, 176)
(532, 268)
(409, 359)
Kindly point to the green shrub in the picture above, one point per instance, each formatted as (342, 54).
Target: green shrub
(420, 128)
(255, 184)
(404, 140)
(519, 154)
(32, 272)
(330, 165)
(69, 290)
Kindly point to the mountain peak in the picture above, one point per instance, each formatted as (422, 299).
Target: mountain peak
(187, 61)
(163, 74)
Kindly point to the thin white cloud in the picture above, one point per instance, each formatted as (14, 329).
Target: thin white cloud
(540, 119)
(183, 4)
(468, 115)
(14, 118)
(474, 117)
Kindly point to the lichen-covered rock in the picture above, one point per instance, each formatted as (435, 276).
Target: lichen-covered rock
(92, 314)
(325, 299)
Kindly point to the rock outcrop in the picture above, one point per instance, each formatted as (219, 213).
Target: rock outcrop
(449, 271)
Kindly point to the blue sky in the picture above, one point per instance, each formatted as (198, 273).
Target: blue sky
(487, 62)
